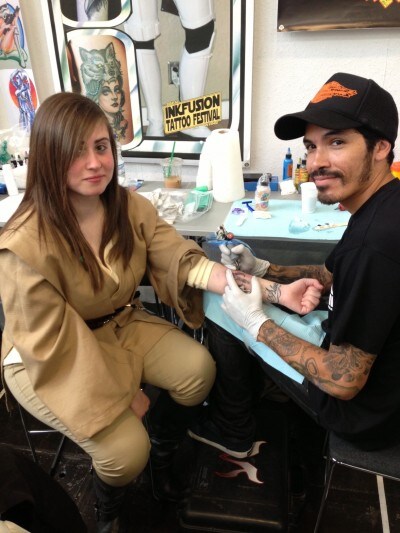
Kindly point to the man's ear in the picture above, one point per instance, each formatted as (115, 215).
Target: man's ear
(382, 149)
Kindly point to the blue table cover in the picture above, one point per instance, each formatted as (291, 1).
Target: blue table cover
(282, 213)
(306, 327)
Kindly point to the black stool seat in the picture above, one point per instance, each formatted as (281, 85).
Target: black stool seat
(384, 463)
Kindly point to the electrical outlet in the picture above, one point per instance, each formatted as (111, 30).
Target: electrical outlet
(173, 73)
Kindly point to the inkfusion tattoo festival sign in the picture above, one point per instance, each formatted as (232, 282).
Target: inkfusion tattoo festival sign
(203, 111)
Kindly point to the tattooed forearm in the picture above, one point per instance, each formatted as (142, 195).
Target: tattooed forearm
(341, 371)
(346, 362)
(273, 293)
(287, 274)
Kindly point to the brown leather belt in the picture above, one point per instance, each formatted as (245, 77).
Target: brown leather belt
(95, 323)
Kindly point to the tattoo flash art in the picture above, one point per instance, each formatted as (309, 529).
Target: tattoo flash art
(100, 64)
(102, 77)
(24, 95)
(12, 35)
(307, 15)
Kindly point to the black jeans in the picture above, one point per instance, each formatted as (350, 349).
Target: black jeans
(237, 386)
(239, 383)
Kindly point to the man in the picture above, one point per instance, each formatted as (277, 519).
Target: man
(351, 382)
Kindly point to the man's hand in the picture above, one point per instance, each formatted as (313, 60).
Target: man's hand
(240, 258)
(301, 296)
(140, 404)
(244, 308)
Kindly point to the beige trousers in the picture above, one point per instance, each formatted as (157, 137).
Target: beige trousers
(120, 452)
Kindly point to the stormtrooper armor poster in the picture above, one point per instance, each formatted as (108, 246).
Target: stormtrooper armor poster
(139, 60)
(318, 15)
(18, 99)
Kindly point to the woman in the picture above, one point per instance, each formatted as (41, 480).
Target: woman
(77, 343)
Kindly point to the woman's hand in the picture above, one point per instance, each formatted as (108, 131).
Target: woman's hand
(140, 404)
(301, 296)
(245, 308)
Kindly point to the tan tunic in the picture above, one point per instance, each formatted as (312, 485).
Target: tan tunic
(87, 378)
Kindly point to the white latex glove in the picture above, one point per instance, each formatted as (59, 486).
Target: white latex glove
(240, 258)
(244, 308)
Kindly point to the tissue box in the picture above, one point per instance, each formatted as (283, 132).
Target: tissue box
(274, 184)
(250, 183)
(250, 180)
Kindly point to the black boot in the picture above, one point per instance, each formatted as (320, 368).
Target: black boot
(109, 501)
(168, 422)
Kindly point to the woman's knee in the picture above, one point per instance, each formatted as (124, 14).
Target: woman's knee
(121, 453)
(199, 379)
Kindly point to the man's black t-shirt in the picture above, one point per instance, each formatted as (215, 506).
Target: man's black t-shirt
(364, 310)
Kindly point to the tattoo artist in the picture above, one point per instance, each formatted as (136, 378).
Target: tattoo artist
(351, 382)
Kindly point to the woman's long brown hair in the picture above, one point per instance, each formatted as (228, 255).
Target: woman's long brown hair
(62, 124)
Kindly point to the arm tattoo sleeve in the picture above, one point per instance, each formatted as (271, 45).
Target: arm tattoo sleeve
(287, 274)
(341, 371)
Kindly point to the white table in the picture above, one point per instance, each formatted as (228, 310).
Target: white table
(294, 249)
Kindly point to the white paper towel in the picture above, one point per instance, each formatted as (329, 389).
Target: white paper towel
(220, 164)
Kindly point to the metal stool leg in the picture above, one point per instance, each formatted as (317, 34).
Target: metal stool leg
(27, 435)
(29, 432)
(57, 456)
(328, 478)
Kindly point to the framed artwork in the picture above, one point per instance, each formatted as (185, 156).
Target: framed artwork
(314, 15)
(166, 73)
(18, 97)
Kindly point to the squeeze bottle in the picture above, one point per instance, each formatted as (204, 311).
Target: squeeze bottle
(287, 166)
(263, 192)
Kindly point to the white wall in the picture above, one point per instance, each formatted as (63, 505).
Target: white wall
(288, 69)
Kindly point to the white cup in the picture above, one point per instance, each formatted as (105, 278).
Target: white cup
(308, 197)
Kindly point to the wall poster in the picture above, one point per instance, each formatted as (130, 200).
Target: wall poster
(18, 98)
(314, 15)
(165, 72)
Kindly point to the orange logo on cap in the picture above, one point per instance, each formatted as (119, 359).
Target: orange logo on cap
(331, 89)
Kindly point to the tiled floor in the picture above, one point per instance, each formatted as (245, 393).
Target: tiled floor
(353, 504)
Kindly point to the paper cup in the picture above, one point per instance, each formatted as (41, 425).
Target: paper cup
(308, 197)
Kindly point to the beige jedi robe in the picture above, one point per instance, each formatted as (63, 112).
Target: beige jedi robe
(88, 378)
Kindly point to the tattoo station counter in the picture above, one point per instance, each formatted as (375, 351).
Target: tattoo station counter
(269, 238)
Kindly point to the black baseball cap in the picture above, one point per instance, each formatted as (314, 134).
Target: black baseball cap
(345, 101)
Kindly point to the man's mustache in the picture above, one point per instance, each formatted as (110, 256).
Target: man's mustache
(322, 173)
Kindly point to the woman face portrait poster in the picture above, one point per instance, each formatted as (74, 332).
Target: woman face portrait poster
(100, 69)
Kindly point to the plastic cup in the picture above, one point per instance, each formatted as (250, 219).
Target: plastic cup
(172, 172)
(308, 197)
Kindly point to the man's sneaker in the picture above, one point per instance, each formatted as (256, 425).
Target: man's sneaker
(208, 433)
